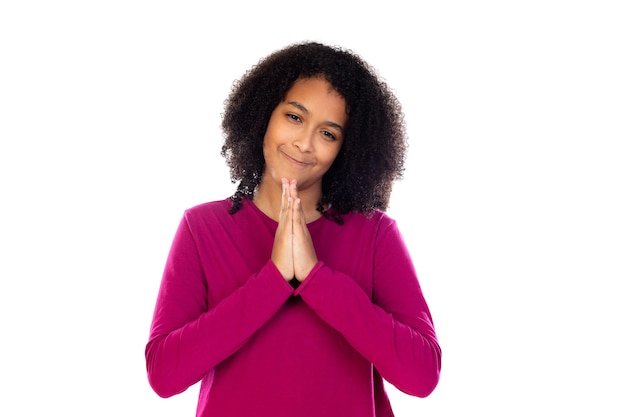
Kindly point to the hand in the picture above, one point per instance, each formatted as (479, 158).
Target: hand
(282, 251)
(293, 252)
(304, 256)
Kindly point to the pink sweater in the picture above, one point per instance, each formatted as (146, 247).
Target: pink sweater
(225, 316)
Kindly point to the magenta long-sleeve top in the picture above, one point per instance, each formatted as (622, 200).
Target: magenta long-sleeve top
(225, 316)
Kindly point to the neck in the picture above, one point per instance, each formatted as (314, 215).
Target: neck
(268, 199)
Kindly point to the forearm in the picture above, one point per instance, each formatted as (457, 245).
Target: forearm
(403, 348)
(177, 357)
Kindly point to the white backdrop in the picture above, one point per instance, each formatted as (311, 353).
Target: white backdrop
(512, 204)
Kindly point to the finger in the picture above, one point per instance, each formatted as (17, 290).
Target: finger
(304, 254)
(293, 188)
(284, 198)
(282, 251)
(298, 214)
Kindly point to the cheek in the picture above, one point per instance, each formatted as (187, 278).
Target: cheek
(273, 126)
(266, 152)
(331, 154)
(272, 132)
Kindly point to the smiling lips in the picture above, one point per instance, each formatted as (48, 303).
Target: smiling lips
(295, 161)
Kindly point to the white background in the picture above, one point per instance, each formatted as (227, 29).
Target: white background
(512, 204)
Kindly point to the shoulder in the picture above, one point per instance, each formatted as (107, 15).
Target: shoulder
(375, 219)
(211, 208)
(216, 214)
(376, 222)
(208, 212)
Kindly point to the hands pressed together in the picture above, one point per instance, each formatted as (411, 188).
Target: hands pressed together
(293, 252)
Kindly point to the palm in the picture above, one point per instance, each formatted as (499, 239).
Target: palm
(293, 252)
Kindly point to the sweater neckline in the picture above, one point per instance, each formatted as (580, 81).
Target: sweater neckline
(273, 222)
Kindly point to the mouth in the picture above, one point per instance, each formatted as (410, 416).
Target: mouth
(296, 161)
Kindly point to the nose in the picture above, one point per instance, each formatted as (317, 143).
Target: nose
(304, 140)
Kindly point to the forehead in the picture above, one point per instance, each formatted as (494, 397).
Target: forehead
(315, 91)
(309, 81)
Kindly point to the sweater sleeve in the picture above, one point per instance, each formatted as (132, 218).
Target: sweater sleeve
(188, 337)
(394, 329)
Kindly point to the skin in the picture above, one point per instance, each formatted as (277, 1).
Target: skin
(303, 137)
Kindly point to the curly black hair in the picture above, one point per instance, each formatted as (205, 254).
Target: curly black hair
(373, 152)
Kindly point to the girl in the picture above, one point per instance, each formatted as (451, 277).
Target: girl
(296, 296)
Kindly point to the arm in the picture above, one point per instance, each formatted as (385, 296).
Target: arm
(188, 338)
(394, 331)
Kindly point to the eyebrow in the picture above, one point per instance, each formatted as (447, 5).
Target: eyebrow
(305, 110)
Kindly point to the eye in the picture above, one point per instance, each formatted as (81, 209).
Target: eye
(294, 117)
(329, 135)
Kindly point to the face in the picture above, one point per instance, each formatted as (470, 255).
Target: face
(305, 133)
